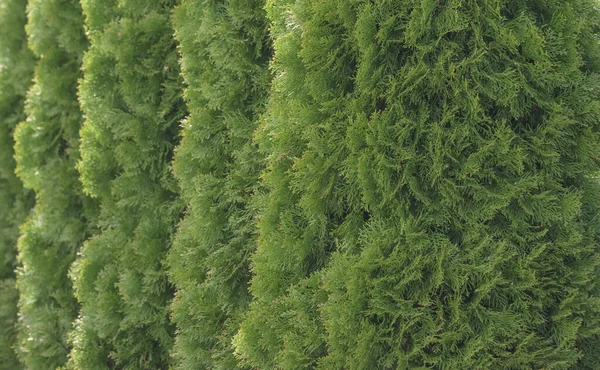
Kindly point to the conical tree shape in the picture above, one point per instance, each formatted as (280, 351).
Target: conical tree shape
(47, 149)
(225, 52)
(434, 199)
(131, 95)
(16, 74)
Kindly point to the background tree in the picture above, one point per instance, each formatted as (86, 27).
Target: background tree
(225, 52)
(15, 77)
(47, 148)
(131, 96)
(432, 201)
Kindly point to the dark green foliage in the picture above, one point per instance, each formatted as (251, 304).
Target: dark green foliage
(16, 72)
(47, 148)
(131, 96)
(432, 200)
(225, 53)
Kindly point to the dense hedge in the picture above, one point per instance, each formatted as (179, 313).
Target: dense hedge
(431, 200)
(47, 149)
(131, 96)
(225, 52)
(16, 72)
(352, 184)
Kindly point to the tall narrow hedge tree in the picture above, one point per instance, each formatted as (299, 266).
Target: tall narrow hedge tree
(131, 95)
(16, 72)
(47, 149)
(434, 200)
(225, 52)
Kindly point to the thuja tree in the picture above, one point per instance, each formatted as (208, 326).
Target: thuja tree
(131, 96)
(15, 76)
(47, 148)
(225, 52)
(433, 194)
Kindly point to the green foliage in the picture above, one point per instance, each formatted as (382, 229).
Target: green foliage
(431, 201)
(225, 52)
(16, 72)
(131, 96)
(46, 152)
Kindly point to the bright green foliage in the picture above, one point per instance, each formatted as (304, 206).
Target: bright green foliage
(432, 197)
(225, 53)
(47, 149)
(131, 96)
(16, 72)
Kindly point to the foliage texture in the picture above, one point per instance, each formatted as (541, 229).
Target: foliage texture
(47, 148)
(16, 72)
(431, 200)
(131, 95)
(225, 52)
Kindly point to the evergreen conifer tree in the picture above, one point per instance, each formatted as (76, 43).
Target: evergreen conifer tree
(131, 95)
(16, 72)
(225, 52)
(433, 192)
(46, 150)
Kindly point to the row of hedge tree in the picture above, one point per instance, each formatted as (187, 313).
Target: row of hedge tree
(299, 184)
(16, 61)
(46, 151)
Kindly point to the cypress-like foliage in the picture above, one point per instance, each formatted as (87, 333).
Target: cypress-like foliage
(131, 95)
(16, 72)
(224, 55)
(434, 200)
(47, 149)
